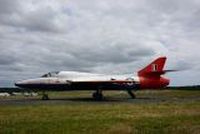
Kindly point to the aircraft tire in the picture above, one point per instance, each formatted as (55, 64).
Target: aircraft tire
(97, 96)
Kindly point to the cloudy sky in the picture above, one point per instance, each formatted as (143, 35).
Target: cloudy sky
(100, 36)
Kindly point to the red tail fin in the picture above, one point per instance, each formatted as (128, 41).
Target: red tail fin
(155, 68)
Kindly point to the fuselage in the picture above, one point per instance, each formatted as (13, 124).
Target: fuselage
(71, 80)
(149, 77)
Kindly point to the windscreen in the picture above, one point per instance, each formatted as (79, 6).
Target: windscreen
(51, 74)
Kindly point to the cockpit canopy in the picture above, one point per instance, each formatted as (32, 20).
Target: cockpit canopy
(51, 74)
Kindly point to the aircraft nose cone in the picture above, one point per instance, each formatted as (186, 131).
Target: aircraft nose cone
(29, 83)
(19, 83)
(23, 83)
(16, 84)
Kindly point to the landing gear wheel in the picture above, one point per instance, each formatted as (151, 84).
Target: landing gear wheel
(45, 97)
(97, 96)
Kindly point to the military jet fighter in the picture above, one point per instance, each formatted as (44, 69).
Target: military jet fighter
(149, 77)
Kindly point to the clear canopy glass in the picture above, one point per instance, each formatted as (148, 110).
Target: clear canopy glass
(51, 74)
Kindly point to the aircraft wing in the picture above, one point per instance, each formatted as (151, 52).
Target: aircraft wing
(105, 84)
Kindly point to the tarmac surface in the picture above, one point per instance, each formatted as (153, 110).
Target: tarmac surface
(89, 100)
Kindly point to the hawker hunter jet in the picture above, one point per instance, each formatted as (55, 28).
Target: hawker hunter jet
(148, 78)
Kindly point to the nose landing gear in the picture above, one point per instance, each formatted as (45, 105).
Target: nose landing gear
(98, 95)
(45, 96)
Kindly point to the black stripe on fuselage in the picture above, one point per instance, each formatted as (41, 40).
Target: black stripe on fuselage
(80, 86)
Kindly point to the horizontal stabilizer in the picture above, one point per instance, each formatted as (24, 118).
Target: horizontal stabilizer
(160, 72)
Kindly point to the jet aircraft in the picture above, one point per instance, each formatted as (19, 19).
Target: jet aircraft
(150, 77)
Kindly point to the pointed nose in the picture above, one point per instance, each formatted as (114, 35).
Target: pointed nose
(16, 84)
(31, 83)
(26, 83)
(20, 83)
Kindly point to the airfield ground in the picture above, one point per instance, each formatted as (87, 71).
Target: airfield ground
(165, 111)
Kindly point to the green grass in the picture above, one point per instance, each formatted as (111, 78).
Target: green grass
(102, 118)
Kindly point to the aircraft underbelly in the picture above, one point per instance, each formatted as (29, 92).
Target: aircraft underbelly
(103, 86)
(81, 86)
(81, 83)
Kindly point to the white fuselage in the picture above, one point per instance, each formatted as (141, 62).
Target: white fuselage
(64, 77)
(147, 78)
(83, 76)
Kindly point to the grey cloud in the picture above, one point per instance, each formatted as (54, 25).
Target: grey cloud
(6, 59)
(9, 6)
(182, 65)
(117, 53)
(96, 36)
(44, 19)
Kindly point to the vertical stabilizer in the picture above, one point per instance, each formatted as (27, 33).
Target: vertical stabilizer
(155, 68)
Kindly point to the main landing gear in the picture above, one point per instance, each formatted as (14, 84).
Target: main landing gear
(98, 95)
(45, 96)
(131, 94)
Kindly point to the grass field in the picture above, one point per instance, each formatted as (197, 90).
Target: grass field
(167, 111)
